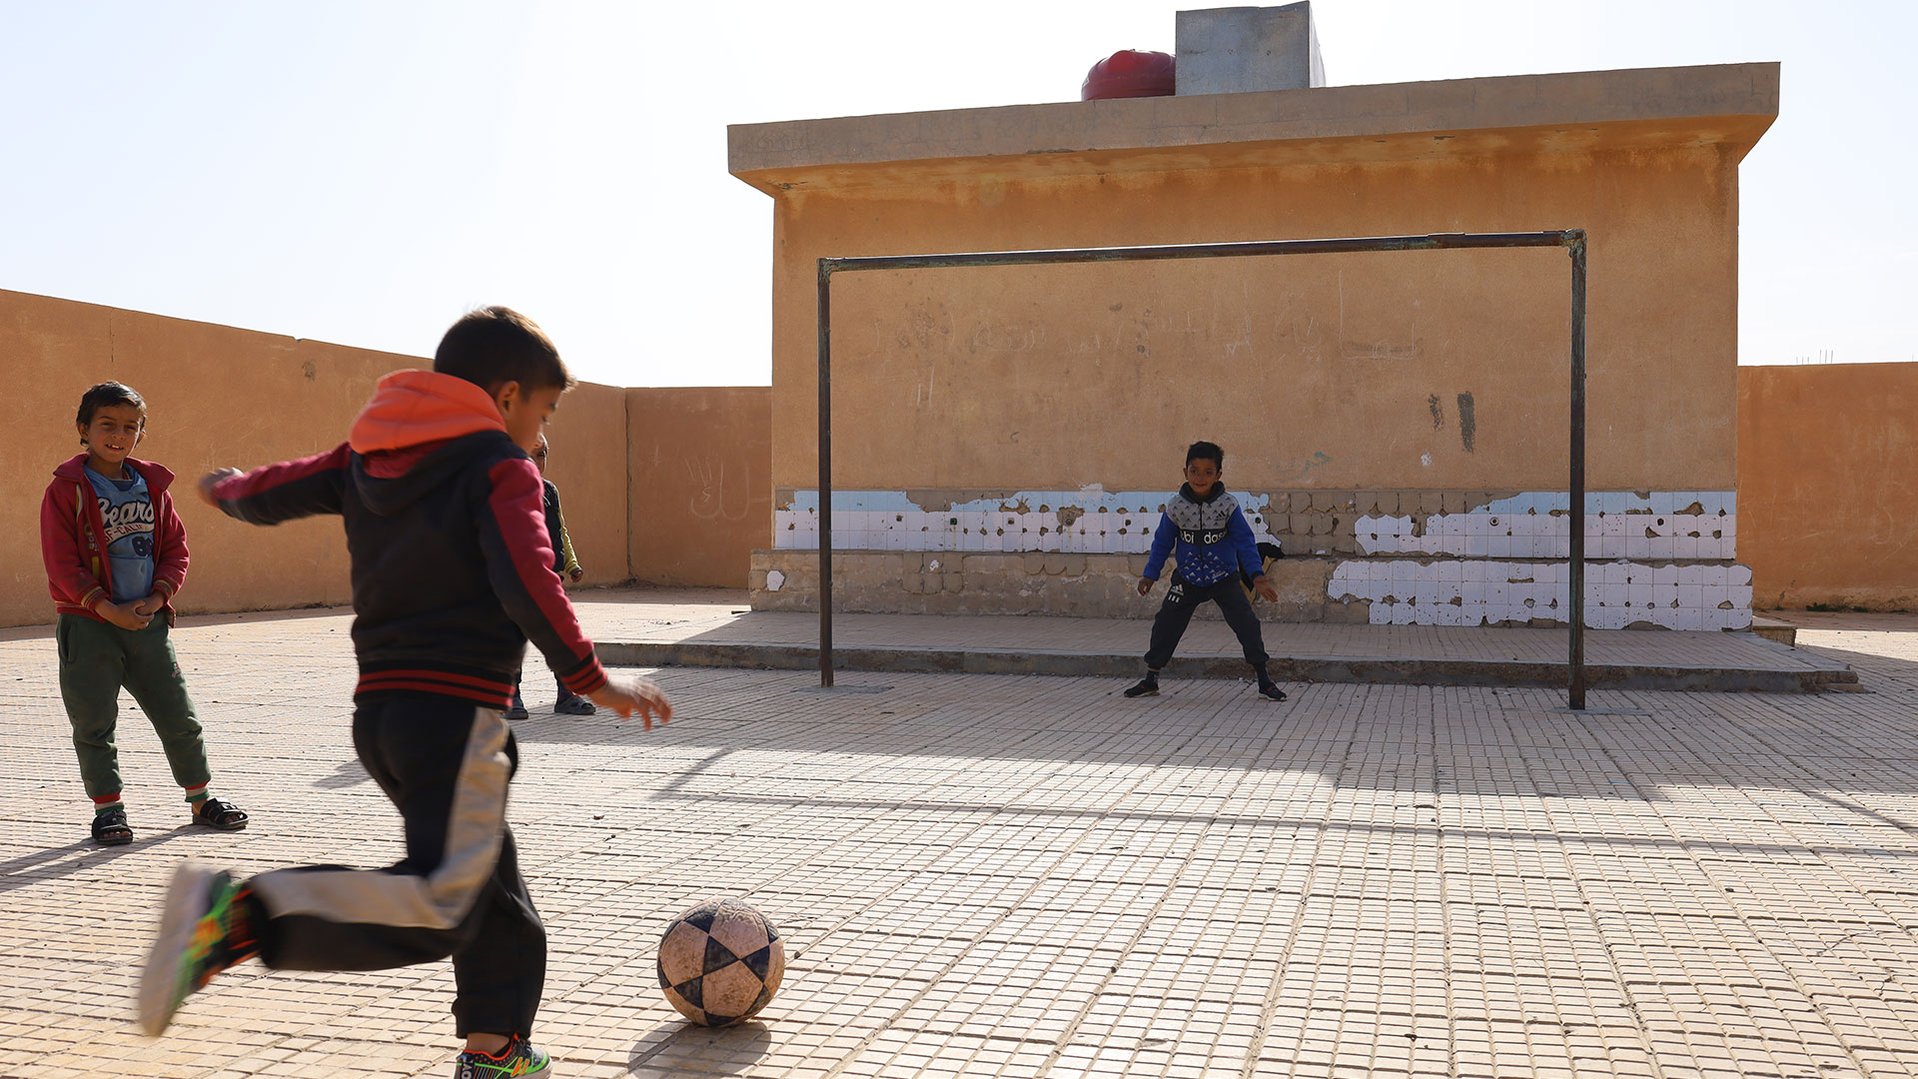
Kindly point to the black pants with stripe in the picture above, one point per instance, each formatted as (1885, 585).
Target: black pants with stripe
(1183, 598)
(445, 764)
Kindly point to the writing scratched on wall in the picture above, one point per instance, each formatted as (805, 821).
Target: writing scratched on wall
(711, 500)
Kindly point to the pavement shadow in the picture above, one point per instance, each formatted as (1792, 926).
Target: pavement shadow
(1630, 744)
(40, 866)
(348, 773)
(686, 1048)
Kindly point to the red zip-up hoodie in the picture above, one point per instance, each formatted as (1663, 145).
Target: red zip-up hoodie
(446, 528)
(73, 539)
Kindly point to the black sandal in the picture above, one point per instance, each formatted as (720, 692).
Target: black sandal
(110, 828)
(220, 816)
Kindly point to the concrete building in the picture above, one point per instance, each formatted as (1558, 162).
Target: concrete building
(1004, 436)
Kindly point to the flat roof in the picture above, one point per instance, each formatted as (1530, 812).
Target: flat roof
(1720, 104)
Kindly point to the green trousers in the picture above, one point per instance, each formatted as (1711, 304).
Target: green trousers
(96, 659)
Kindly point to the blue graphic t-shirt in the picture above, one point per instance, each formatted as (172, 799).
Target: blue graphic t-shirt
(128, 512)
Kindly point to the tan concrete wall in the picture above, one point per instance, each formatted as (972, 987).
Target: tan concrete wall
(1336, 371)
(966, 400)
(1827, 506)
(700, 483)
(223, 396)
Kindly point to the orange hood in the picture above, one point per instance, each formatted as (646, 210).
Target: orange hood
(412, 408)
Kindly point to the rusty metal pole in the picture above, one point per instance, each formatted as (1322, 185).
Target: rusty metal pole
(825, 473)
(1575, 240)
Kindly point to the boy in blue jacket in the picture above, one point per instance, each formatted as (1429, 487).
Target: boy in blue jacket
(1214, 545)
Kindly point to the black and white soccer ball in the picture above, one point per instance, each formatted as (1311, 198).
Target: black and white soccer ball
(720, 962)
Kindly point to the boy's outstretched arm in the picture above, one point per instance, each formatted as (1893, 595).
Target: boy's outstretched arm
(282, 492)
(519, 560)
(1163, 537)
(629, 694)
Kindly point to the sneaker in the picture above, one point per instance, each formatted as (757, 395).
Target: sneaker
(1271, 691)
(573, 705)
(1147, 687)
(516, 710)
(517, 1061)
(196, 941)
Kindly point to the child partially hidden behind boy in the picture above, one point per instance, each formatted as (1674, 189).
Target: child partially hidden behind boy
(1215, 545)
(452, 573)
(567, 703)
(116, 555)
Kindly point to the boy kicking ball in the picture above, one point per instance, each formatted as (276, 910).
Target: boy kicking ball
(452, 574)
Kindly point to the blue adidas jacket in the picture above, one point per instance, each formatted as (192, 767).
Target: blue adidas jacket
(1213, 539)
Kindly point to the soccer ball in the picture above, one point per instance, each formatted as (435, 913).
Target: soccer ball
(720, 962)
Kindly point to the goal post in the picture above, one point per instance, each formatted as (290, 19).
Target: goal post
(1573, 240)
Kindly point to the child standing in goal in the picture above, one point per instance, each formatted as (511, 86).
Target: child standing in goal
(1214, 544)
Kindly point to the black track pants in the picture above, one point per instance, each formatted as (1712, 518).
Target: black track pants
(1183, 598)
(458, 892)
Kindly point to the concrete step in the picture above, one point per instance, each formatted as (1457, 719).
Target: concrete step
(1380, 669)
(1773, 629)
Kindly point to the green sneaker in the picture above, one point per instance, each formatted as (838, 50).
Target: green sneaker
(517, 1061)
(196, 941)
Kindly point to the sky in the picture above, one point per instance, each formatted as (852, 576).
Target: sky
(364, 172)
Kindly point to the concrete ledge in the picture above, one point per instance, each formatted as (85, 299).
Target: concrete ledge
(1582, 111)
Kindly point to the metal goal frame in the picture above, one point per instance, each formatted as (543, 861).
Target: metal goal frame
(1573, 240)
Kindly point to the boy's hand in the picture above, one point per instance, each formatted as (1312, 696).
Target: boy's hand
(629, 695)
(1145, 585)
(149, 606)
(1267, 591)
(126, 617)
(575, 573)
(207, 481)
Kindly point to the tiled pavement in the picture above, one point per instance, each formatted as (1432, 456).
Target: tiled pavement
(987, 875)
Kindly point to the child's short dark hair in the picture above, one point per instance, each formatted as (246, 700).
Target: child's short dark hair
(496, 345)
(1207, 451)
(103, 395)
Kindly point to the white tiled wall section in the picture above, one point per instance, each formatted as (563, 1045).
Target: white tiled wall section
(1669, 551)
(1660, 527)
(1657, 527)
(1471, 592)
(1083, 522)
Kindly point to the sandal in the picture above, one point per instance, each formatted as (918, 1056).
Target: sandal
(110, 828)
(573, 705)
(220, 816)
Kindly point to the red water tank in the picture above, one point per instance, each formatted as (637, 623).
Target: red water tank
(1129, 73)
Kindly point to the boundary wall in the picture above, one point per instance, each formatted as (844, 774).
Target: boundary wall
(217, 396)
(1826, 456)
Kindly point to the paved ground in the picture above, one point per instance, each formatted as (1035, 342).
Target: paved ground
(702, 633)
(990, 875)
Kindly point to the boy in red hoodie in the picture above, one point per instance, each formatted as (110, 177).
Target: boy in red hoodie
(452, 574)
(116, 556)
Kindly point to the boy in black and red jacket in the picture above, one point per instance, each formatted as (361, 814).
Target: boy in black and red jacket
(116, 555)
(452, 574)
